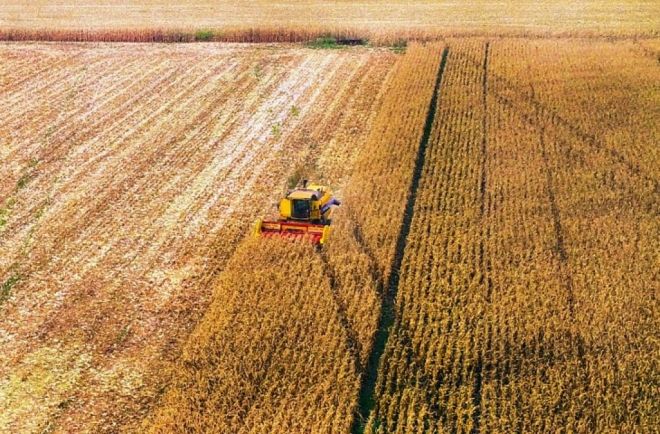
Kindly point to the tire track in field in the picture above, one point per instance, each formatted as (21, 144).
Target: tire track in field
(366, 395)
(536, 123)
(580, 134)
(484, 263)
(566, 274)
(546, 111)
(559, 250)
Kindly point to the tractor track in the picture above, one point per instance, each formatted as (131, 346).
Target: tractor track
(366, 398)
(544, 110)
(560, 248)
(484, 263)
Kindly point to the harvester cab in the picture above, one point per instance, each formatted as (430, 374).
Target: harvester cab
(304, 213)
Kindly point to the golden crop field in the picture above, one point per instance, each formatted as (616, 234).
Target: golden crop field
(488, 297)
(492, 266)
(267, 20)
(528, 299)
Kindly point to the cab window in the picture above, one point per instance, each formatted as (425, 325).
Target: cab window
(301, 209)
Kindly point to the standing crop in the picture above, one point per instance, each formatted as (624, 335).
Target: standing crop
(527, 271)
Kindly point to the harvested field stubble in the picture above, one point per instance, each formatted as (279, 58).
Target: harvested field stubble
(128, 176)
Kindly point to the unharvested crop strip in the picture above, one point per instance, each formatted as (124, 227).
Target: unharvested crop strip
(366, 399)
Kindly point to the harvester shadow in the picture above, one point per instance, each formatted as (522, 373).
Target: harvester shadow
(353, 342)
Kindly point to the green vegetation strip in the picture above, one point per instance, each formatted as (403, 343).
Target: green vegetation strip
(5, 289)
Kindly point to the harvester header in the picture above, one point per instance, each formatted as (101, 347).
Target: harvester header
(304, 213)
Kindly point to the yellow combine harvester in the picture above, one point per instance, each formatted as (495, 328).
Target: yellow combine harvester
(304, 214)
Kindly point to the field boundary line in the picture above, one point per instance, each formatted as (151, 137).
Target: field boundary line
(366, 399)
